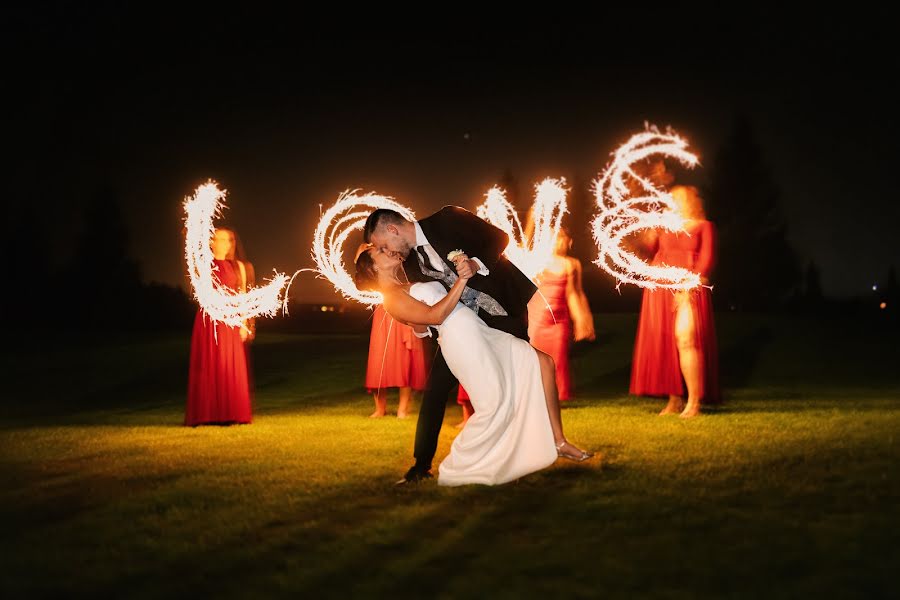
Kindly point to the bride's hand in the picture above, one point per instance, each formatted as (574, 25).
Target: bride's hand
(465, 267)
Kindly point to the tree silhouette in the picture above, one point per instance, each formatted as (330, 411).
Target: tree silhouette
(813, 297)
(103, 281)
(757, 268)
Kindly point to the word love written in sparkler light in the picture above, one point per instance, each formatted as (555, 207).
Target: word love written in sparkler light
(348, 214)
(530, 256)
(629, 203)
(221, 303)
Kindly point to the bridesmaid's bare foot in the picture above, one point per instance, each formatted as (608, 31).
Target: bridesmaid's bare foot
(401, 415)
(467, 412)
(691, 410)
(377, 414)
(675, 406)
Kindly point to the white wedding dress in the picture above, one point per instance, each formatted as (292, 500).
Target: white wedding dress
(509, 435)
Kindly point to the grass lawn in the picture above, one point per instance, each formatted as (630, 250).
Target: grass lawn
(790, 489)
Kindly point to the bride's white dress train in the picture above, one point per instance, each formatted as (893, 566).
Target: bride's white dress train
(509, 435)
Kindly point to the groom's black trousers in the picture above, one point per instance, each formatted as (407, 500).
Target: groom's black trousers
(440, 382)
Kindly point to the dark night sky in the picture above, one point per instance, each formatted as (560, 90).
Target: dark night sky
(287, 110)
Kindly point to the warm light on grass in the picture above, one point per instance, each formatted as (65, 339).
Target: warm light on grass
(106, 494)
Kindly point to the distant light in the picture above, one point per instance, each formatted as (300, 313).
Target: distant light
(874, 288)
(324, 309)
(883, 305)
(466, 136)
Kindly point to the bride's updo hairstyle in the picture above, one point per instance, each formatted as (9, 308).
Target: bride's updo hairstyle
(366, 279)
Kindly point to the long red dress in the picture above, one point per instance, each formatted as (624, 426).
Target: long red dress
(551, 332)
(218, 381)
(655, 369)
(396, 355)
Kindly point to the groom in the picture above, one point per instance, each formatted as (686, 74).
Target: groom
(499, 293)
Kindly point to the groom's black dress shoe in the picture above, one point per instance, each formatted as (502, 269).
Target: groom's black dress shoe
(414, 475)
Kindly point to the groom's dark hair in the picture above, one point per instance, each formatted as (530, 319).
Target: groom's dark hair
(379, 217)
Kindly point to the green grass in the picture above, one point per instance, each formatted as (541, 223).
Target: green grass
(790, 489)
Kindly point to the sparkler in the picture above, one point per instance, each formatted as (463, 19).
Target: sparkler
(530, 256)
(220, 302)
(629, 203)
(348, 214)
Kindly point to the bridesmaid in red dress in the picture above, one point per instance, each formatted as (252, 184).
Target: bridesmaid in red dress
(553, 332)
(396, 360)
(560, 313)
(675, 349)
(219, 380)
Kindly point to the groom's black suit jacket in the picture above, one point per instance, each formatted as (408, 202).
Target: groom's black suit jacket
(455, 228)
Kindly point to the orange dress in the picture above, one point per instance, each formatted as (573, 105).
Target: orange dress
(396, 355)
(219, 376)
(655, 369)
(550, 329)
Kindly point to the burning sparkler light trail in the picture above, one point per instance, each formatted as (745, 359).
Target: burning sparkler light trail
(530, 256)
(629, 203)
(219, 302)
(348, 214)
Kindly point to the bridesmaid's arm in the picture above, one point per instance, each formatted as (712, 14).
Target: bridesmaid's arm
(644, 243)
(651, 242)
(578, 304)
(247, 332)
(706, 255)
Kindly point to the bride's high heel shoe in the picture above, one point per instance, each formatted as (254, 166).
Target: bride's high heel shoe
(581, 456)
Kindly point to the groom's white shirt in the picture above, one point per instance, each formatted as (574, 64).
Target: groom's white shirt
(437, 263)
(434, 259)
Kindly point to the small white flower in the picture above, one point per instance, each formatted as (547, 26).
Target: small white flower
(451, 256)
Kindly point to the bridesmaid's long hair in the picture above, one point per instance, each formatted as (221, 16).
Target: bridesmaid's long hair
(237, 246)
(238, 253)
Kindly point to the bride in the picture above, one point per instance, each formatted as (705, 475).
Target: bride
(516, 428)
